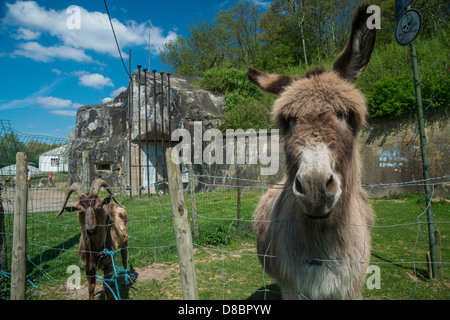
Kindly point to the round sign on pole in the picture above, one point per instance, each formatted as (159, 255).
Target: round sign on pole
(408, 27)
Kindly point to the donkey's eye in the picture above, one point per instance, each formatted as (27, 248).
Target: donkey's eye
(288, 125)
(344, 121)
(292, 122)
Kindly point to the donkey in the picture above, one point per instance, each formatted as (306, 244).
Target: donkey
(313, 234)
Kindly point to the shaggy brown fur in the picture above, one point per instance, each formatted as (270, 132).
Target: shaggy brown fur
(313, 255)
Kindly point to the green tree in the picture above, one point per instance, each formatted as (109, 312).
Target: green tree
(233, 36)
(10, 144)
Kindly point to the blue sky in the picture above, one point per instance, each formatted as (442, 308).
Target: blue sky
(58, 55)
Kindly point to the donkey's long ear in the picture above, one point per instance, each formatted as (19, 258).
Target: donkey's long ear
(354, 58)
(273, 83)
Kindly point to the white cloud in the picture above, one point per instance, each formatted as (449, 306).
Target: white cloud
(31, 99)
(52, 102)
(77, 105)
(48, 102)
(114, 94)
(26, 34)
(118, 91)
(263, 4)
(35, 51)
(60, 107)
(94, 33)
(69, 113)
(158, 39)
(94, 80)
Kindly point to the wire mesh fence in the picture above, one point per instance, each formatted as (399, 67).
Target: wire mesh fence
(220, 207)
(225, 255)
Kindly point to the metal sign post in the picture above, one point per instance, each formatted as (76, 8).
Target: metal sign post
(406, 31)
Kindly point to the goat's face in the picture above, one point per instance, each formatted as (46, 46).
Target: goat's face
(320, 115)
(92, 213)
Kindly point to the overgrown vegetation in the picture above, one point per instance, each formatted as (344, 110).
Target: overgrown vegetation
(246, 106)
(291, 36)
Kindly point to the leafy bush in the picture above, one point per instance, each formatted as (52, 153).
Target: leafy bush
(247, 113)
(388, 82)
(395, 96)
(226, 80)
(246, 106)
(392, 97)
(435, 88)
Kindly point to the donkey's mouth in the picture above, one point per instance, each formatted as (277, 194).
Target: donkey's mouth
(314, 213)
(319, 217)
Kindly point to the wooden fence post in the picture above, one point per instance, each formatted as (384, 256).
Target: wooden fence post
(193, 201)
(18, 261)
(182, 228)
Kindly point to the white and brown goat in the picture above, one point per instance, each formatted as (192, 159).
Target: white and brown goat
(313, 234)
(104, 225)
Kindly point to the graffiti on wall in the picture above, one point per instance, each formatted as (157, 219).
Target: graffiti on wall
(392, 159)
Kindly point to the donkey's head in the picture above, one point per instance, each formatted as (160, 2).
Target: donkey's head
(320, 115)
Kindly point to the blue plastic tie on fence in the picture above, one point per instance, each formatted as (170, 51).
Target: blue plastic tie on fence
(128, 276)
(6, 274)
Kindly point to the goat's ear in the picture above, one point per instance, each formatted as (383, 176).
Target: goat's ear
(354, 58)
(73, 208)
(273, 83)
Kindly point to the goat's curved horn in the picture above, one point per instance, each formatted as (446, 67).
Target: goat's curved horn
(99, 183)
(75, 187)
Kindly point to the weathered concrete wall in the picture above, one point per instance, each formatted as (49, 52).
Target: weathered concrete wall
(187, 104)
(99, 138)
(102, 130)
(391, 154)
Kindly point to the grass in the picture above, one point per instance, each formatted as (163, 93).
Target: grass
(400, 242)
(225, 253)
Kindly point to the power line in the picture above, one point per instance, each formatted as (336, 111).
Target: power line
(115, 37)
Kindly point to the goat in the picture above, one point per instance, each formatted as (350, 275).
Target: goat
(313, 234)
(104, 225)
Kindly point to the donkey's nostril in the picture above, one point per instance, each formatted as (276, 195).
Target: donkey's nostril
(329, 182)
(298, 186)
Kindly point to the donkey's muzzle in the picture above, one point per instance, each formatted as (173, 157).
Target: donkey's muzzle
(317, 193)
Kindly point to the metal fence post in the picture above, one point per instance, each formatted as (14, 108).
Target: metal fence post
(18, 261)
(423, 145)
